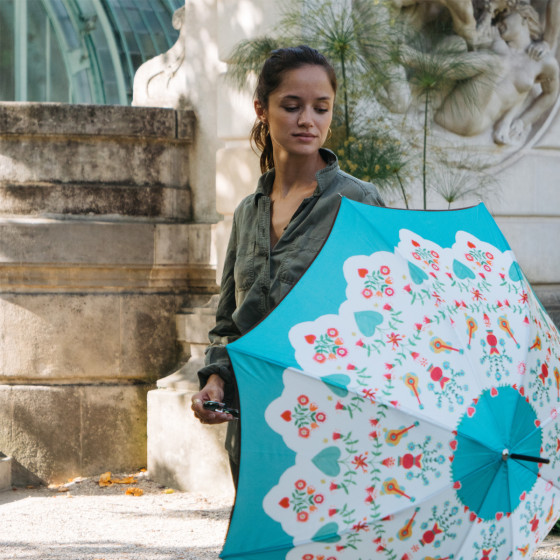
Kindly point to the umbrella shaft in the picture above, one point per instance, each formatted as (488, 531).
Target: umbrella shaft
(529, 458)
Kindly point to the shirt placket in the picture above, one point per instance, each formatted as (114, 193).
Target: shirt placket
(263, 244)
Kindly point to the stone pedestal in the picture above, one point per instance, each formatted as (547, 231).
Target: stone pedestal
(98, 252)
(183, 453)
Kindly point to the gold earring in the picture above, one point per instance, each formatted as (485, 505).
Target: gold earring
(329, 134)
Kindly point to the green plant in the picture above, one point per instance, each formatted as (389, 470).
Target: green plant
(380, 63)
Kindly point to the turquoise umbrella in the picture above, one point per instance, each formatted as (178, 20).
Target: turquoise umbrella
(401, 402)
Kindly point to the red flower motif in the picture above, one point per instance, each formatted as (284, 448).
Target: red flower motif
(394, 339)
(367, 293)
(332, 332)
(302, 516)
(320, 358)
(307, 557)
(360, 526)
(339, 406)
(350, 366)
(336, 435)
(416, 256)
(321, 416)
(360, 342)
(389, 291)
(300, 484)
(304, 432)
(341, 352)
(373, 435)
(388, 462)
(319, 498)
(303, 399)
(332, 511)
(333, 486)
(385, 270)
(489, 256)
(407, 288)
(387, 307)
(373, 421)
(359, 462)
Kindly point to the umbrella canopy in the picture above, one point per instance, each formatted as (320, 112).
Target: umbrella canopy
(401, 402)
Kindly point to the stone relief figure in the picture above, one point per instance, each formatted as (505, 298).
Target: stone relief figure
(504, 99)
(161, 81)
(507, 86)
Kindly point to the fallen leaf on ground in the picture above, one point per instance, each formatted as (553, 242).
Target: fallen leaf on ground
(126, 480)
(105, 479)
(134, 491)
(168, 491)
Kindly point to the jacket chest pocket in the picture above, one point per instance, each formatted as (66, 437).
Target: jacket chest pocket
(244, 268)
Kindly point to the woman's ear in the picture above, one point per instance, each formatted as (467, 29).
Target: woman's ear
(260, 111)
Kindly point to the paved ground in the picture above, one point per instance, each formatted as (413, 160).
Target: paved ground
(83, 521)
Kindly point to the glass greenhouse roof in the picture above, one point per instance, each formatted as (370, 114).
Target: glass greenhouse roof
(80, 51)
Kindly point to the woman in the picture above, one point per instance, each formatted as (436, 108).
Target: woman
(278, 230)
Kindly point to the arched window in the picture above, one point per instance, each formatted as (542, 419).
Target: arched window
(79, 51)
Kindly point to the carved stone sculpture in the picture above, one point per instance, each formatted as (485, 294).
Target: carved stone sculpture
(161, 81)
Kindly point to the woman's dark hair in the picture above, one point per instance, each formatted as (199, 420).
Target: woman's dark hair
(271, 76)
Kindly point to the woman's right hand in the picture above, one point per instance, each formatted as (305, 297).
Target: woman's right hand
(212, 391)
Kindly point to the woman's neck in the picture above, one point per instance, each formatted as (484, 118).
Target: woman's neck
(295, 173)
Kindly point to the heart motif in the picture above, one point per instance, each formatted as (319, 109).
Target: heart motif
(362, 272)
(522, 390)
(499, 515)
(287, 415)
(284, 502)
(451, 457)
(462, 271)
(537, 423)
(470, 411)
(368, 321)
(453, 444)
(327, 461)
(472, 516)
(494, 392)
(523, 496)
(416, 273)
(310, 338)
(457, 485)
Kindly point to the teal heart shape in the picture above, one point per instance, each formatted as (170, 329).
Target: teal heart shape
(515, 272)
(368, 321)
(337, 383)
(327, 533)
(417, 274)
(327, 461)
(462, 271)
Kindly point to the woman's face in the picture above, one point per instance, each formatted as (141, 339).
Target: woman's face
(299, 111)
(510, 27)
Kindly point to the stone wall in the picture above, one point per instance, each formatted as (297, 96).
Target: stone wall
(99, 248)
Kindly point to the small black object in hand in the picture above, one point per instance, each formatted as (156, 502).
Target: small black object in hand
(221, 407)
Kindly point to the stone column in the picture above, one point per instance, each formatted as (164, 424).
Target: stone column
(98, 252)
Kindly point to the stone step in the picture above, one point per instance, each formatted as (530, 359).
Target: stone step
(5, 473)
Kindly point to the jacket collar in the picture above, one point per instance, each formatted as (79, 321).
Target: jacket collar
(324, 176)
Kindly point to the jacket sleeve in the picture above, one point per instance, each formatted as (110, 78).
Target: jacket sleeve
(225, 331)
